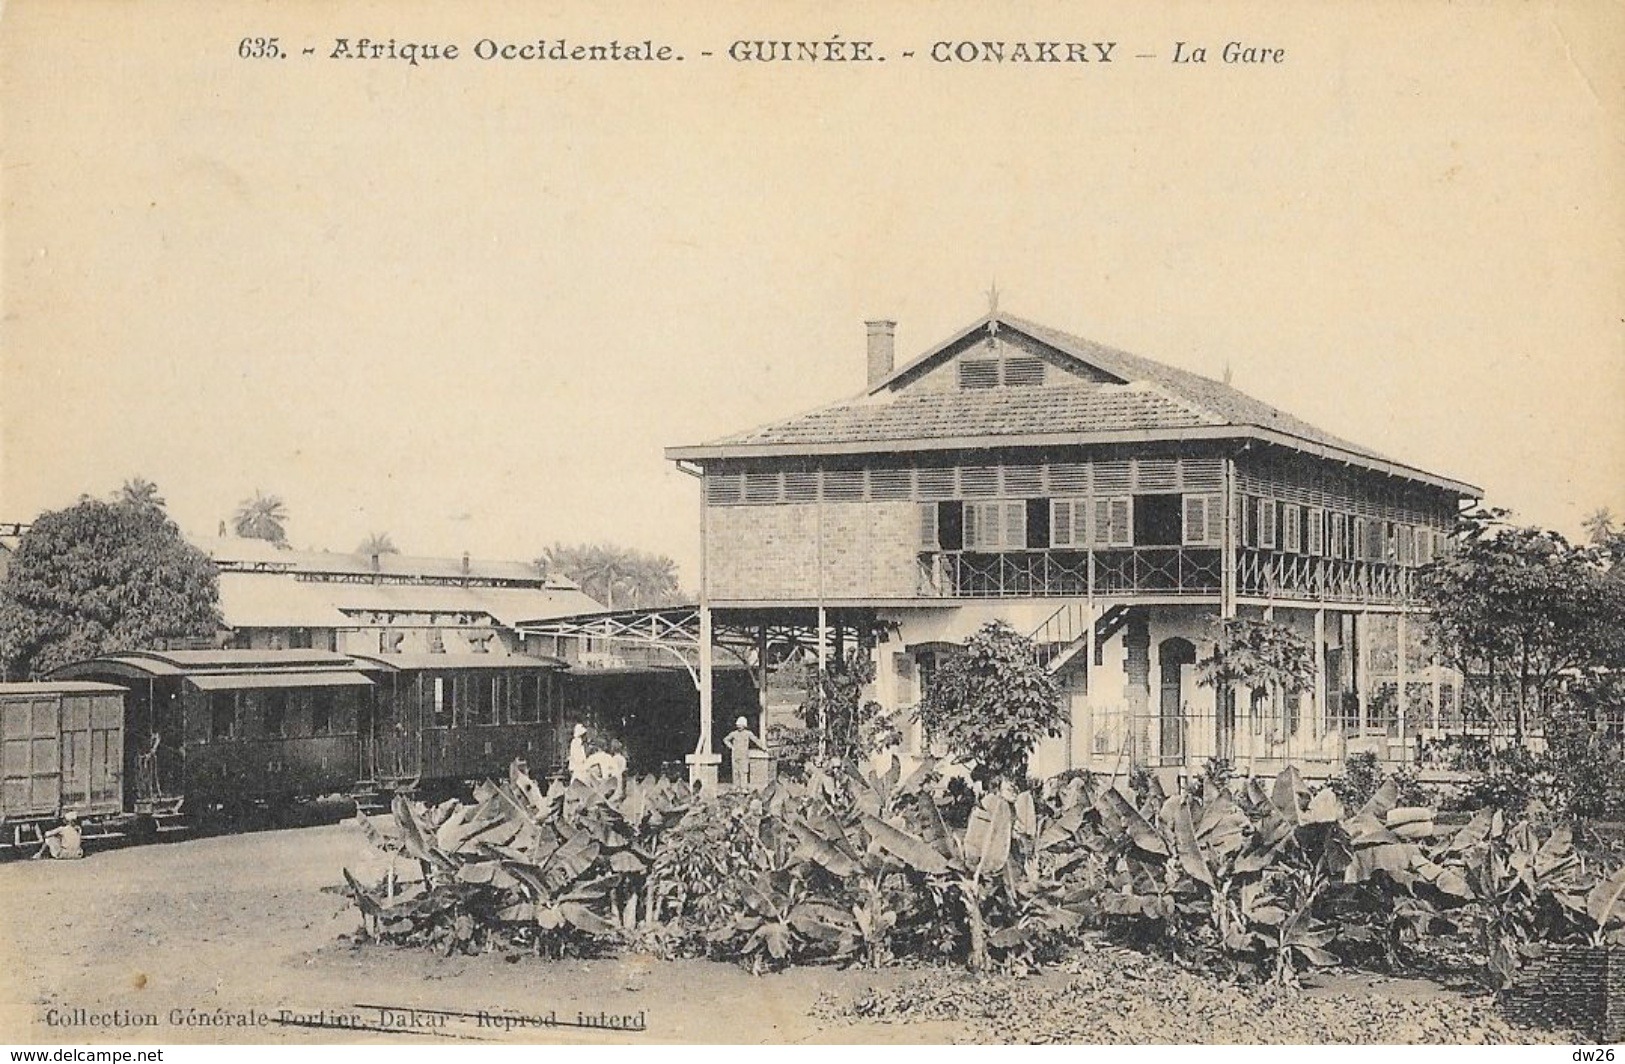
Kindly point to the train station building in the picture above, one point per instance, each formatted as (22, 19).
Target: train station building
(1110, 507)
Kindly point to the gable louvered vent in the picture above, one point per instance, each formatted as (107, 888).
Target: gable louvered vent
(978, 373)
(1023, 372)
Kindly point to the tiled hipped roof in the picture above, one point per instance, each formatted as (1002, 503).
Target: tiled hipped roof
(990, 412)
(1157, 401)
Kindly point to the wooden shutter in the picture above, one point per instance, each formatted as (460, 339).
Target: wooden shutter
(1266, 523)
(1122, 522)
(1291, 529)
(972, 540)
(1061, 522)
(1317, 531)
(1203, 520)
(1015, 525)
(929, 539)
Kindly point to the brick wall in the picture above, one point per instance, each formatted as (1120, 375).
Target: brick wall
(771, 552)
(1580, 988)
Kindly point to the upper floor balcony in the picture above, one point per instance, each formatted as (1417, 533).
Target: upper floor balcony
(1160, 571)
(1193, 571)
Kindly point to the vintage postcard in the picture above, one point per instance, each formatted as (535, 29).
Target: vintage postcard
(804, 523)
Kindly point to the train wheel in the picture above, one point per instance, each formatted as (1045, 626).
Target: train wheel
(144, 829)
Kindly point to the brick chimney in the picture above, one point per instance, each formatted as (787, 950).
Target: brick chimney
(882, 349)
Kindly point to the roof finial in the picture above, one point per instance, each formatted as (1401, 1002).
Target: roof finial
(1227, 374)
(992, 311)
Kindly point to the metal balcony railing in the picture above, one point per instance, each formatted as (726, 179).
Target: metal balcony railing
(1064, 573)
(1299, 576)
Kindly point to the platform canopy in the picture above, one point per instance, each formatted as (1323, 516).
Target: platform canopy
(780, 631)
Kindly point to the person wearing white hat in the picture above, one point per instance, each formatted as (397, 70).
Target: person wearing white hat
(66, 842)
(739, 742)
(578, 751)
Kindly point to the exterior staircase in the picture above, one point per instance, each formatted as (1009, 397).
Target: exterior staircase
(1066, 632)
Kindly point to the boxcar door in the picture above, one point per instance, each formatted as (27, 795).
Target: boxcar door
(31, 761)
(107, 753)
(77, 756)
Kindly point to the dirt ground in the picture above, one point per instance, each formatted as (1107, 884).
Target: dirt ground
(213, 938)
(237, 938)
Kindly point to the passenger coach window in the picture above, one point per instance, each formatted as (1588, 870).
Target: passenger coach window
(275, 714)
(321, 713)
(442, 702)
(529, 707)
(479, 702)
(222, 715)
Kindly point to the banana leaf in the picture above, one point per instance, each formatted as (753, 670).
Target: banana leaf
(987, 836)
(906, 847)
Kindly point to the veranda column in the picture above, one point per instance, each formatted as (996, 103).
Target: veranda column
(1400, 663)
(702, 763)
(1318, 730)
(761, 680)
(1362, 669)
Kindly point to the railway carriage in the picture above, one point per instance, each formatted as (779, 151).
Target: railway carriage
(61, 751)
(140, 741)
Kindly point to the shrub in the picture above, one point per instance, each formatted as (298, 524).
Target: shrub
(859, 866)
(990, 705)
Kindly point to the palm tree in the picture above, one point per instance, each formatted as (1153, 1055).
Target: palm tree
(139, 492)
(378, 543)
(262, 517)
(614, 574)
(1599, 525)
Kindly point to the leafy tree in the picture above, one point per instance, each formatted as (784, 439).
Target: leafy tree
(991, 704)
(1599, 526)
(378, 543)
(615, 576)
(139, 491)
(849, 727)
(99, 577)
(1516, 608)
(262, 517)
(1259, 655)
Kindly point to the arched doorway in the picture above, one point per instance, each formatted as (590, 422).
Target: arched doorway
(1173, 655)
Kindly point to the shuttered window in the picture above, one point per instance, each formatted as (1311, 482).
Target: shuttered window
(1114, 522)
(1291, 529)
(1069, 522)
(1317, 531)
(1203, 521)
(928, 527)
(1266, 524)
(993, 526)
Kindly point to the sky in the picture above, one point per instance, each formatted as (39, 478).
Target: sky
(470, 303)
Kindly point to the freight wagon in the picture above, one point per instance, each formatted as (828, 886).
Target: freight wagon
(61, 751)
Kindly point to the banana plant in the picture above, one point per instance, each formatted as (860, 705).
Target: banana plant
(783, 920)
(975, 864)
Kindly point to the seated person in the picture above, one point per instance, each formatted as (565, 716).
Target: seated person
(66, 842)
